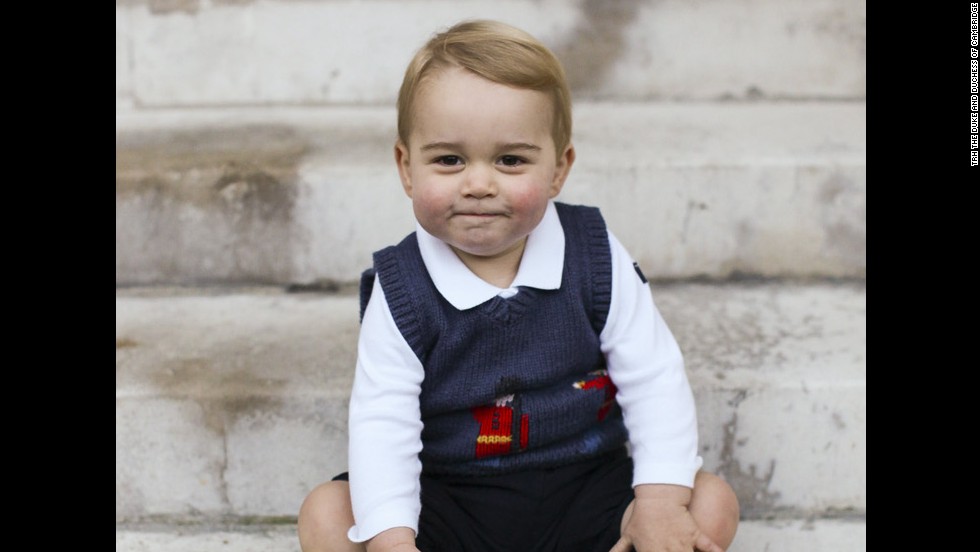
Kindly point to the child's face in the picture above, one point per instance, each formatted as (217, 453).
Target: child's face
(481, 164)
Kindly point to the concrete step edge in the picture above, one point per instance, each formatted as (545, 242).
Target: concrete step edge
(796, 535)
(799, 133)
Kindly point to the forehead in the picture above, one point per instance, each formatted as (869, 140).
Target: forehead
(455, 100)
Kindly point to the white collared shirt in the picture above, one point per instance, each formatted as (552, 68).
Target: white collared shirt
(642, 357)
(541, 266)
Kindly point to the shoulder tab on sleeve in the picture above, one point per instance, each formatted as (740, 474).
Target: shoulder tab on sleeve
(636, 267)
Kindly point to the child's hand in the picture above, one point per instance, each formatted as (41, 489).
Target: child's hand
(658, 521)
(396, 539)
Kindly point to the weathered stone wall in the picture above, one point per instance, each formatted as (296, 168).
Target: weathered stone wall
(254, 138)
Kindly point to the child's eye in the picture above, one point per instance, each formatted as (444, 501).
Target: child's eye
(449, 160)
(511, 160)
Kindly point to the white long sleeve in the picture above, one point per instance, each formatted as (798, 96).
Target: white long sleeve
(646, 364)
(385, 426)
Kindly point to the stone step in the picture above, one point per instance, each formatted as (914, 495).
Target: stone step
(193, 53)
(752, 536)
(231, 403)
(302, 196)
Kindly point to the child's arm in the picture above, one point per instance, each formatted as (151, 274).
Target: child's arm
(385, 429)
(646, 364)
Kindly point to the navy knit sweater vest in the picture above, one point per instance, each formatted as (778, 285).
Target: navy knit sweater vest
(512, 383)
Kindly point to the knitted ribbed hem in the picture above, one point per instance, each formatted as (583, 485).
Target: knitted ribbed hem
(400, 300)
(588, 224)
(366, 287)
(600, 258)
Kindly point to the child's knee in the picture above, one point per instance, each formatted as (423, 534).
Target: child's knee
(325, 516)
(327, 501)
(716, 508)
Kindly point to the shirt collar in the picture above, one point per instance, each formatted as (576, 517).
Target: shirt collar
(541, 265)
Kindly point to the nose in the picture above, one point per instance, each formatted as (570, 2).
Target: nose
(479, 182)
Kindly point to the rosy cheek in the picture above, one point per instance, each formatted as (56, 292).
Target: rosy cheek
(429, 200)
(528, 198)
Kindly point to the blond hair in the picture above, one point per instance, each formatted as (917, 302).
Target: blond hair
(499, 53)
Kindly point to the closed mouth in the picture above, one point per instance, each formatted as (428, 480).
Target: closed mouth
(468, 214)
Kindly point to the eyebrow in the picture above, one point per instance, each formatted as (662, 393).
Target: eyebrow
(510, 146)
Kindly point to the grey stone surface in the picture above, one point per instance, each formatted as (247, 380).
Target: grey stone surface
(213, 53)
(752, 536)
(233, 402)
(229, 403)
(284, 196)
(780, 378)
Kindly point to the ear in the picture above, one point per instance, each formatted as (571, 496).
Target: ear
(402, 161)
(562, 167)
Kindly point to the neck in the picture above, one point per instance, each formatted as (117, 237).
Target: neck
(498, 270)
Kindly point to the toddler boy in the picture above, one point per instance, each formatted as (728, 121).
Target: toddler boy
(510, 350)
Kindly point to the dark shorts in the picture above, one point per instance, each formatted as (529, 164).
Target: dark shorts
(575, 508)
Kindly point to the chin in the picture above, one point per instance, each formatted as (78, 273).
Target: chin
(480, 249)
